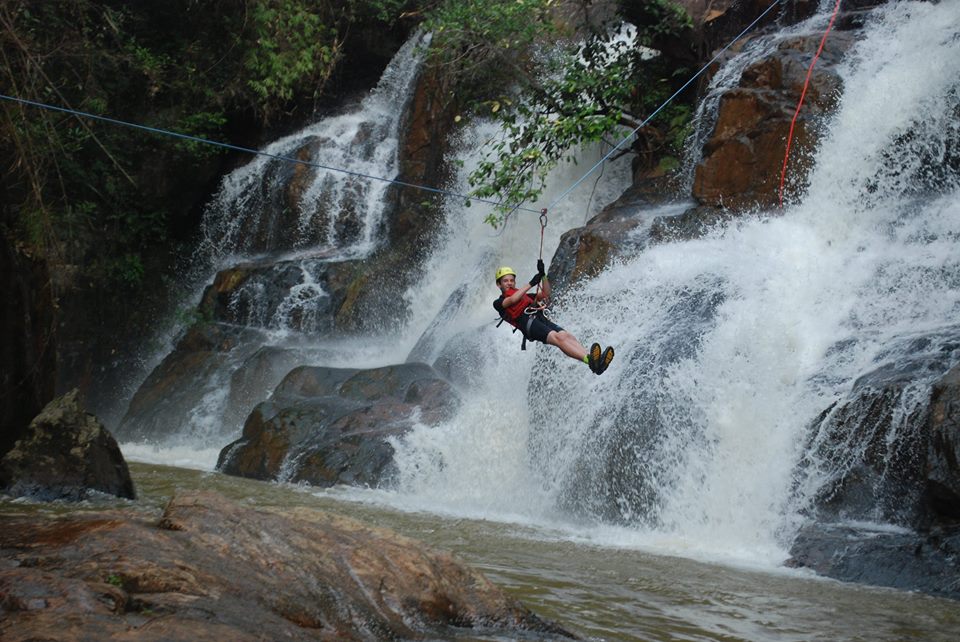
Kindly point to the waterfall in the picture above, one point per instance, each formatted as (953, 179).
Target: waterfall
(729, 346)
(335, 212)
(287, 225)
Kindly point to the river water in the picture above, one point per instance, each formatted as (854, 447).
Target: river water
(615, 593)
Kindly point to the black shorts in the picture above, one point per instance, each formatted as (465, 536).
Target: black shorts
(537, 327)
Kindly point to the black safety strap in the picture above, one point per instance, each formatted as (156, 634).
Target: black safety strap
(523, 344)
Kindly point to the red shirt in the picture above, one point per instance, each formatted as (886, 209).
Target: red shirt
(513, 313)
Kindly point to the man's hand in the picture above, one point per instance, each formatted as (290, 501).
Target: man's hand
(541, 270)
(535, 280)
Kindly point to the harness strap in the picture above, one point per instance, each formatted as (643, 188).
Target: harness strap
(526, 330)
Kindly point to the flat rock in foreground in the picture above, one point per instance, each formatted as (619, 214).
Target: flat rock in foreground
(212, 569)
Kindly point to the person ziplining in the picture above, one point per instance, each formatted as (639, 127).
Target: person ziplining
(526, 314)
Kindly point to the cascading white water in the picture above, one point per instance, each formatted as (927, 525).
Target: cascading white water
(728, 346)
(336, 212)
(470, 250)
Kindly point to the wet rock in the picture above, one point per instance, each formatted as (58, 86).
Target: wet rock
(720, 21)
(375, 299)
(302, 295)
(894, 558)
(436, 333)
(742, 158)
(943, 449)
(889, 453)
(692, 224)
(889, 449)
(331, 426)
(618, 471)
(619, 230)
(466, 356)
(198, 366)
(214, 570)
(66, 454)
(254, 380)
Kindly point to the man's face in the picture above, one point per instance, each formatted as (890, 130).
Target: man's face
(507, 282)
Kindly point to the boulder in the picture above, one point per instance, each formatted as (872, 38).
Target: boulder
(211, 569)
(466, 356)
(66, 454)
(437, 333)
(882, 557)
(742, 158)
(693, 223)
(889, 450)
(619, 230)
(890, 460)
(302, 295)
(198, 367)
(329, 426)
(254, 380)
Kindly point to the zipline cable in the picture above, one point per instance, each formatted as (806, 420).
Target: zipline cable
(248, 150)
(289, 159)
(665, 103)
(803, 94)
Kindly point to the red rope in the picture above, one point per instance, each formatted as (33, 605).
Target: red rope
(803, 94)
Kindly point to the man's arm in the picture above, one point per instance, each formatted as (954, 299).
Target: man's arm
(544, 292)
(516, 296)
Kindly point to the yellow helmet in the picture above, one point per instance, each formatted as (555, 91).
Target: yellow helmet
(504, 271)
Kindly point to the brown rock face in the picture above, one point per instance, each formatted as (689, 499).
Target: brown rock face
(213, 570)
(65, 454)
(743, 158)
(616, 231)
(373, 299)
(160, 406)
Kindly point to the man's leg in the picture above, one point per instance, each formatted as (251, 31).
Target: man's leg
(567, 343)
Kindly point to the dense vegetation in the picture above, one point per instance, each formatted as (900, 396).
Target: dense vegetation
(554, 85)
(103, 197)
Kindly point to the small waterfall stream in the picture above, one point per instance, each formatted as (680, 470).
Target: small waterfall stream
(336, 214)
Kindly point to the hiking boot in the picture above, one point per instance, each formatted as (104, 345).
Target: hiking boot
(604, 360)
(594, 357)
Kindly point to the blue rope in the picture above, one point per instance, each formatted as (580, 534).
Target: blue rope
(658, 109)
(249, 150)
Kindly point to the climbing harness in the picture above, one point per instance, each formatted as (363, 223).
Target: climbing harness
(803, 94)
(525, 317)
